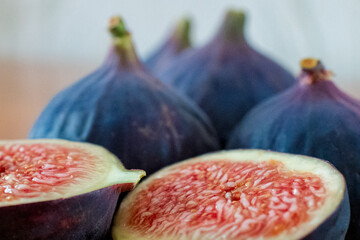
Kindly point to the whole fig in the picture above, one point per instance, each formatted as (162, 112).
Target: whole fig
(123, 108)
(314, 118)
(176, 43)
(226, 77)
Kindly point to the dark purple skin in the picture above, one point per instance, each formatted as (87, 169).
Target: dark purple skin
(312, 118)
(177, 42)
(226, 77)
(86, 216)
(135, 116)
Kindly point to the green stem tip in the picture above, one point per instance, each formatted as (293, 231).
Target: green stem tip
(122, 42)
(233, 24)
(182, 31)
(117, 27)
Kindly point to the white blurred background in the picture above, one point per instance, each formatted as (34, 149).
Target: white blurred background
(46, 45)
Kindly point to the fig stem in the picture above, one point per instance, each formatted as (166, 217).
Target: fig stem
(311, 64)
(182, 32)
(123, 44)
(117, 27)
(233, 25)
(314, 71)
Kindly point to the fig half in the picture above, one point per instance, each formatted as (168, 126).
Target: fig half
(238, 195)
(56, 189)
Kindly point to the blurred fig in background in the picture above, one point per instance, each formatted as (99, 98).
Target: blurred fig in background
(178, 41)
(122, 107)
(226, 77)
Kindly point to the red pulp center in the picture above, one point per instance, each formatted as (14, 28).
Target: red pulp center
(27, 171)
(226, 200)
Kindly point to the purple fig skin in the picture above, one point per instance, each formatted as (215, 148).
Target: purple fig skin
(86, 216)
(177, 42)
(226, 77)
(123, 108)
(312, 118)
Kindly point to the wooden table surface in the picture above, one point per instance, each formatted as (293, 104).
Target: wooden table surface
(26, 88)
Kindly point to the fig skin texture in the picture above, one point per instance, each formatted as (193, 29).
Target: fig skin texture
(313, 118)
(226, 77)
(330, 222)
(122, 107)
(176, 43)
(87, 216)
(78, 213)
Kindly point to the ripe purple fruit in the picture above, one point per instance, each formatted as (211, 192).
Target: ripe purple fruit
(226, 77)
(122, 107)
(176, 43)
(314, 118)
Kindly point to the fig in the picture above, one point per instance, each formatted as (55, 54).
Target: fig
(122, 107)
(314, 118)
(176, 43)
(237, 195)
(57, 189)
(226, 77)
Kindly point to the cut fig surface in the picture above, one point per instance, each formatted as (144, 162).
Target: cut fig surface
(247, 194)
(57, 189)
(33, 171)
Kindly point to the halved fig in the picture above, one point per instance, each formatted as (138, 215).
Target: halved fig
(240, 194)
(56, 189)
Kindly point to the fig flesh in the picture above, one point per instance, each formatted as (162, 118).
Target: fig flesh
(132, 114)
(56, 189)
(313, 118)
(238, 195)
(226, 77)
(177, 42)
